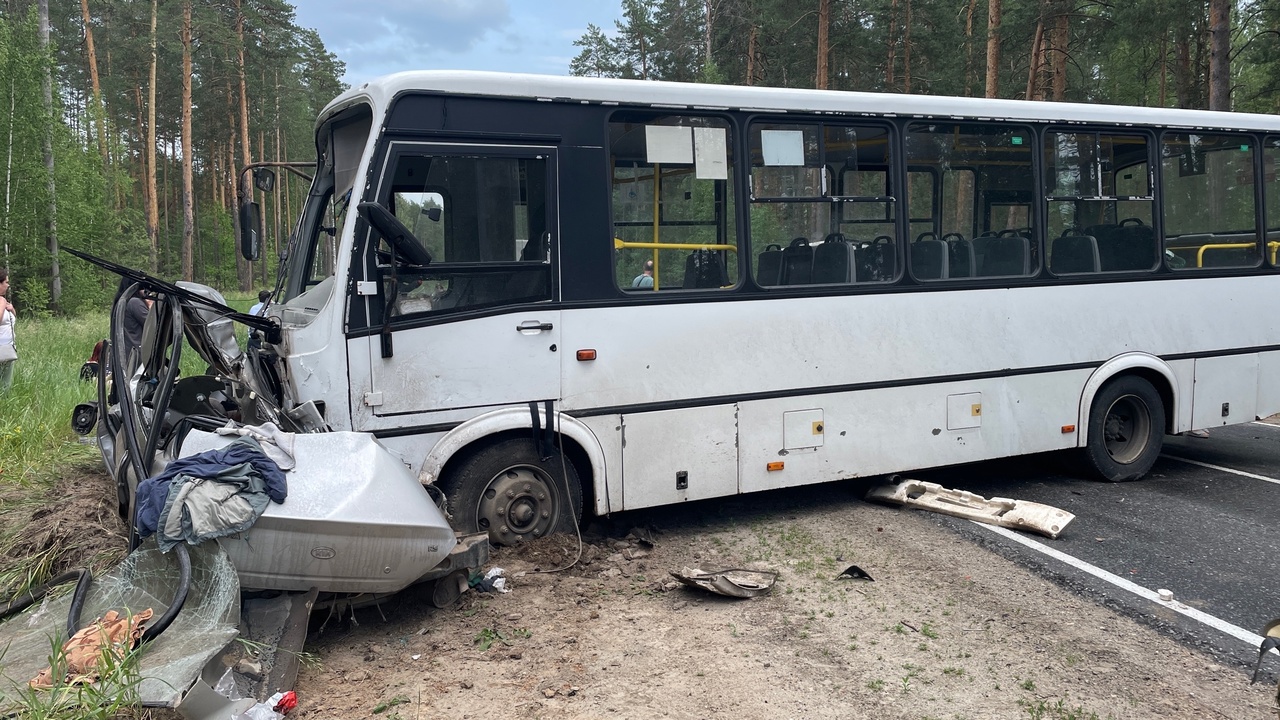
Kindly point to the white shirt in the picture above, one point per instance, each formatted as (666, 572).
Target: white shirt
(7, 321)
(258, 309)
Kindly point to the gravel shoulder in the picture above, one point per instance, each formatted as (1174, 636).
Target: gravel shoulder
(947, 629)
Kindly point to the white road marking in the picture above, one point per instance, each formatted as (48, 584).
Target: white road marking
(1266, 424)
(1199, 616)
(1263, 478)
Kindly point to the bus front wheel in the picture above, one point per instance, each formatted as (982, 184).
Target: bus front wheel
(1126, 429)
(508, 490)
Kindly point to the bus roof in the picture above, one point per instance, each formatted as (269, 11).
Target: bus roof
(675, 95)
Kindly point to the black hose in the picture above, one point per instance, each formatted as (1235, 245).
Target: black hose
(77, 603)
(24, 600)
(160, 625)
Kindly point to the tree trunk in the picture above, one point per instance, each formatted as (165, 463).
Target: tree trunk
(99, 112)
(824, 52)
(8, 170)
(993, 48)
(1220, 55)
(1058, 54)
(968, 50)
(188, 209)
(1164, 69)
(46, 87)
(891, 45)
(906, 49)
(1033, 67)
(153, 216)
(751, 55)
(706, 36)
(244, 270)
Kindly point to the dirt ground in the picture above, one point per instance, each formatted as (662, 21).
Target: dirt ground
(945, 630)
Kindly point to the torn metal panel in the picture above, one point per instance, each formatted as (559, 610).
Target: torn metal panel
(1005, 512)
(732, 582)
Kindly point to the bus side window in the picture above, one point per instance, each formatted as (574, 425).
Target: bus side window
(481, 218)
(1207, 185)
(985, 219)
(822, 189)
(672, 202)
(1099, 203)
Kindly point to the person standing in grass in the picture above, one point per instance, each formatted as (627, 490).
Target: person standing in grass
(8, 319)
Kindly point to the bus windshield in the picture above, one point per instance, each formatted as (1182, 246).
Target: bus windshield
(313, 258)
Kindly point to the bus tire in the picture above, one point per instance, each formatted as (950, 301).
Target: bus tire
(1126, 430)
(514, 494)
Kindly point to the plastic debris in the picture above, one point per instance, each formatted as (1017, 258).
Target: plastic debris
(273, 708)
(1005, 512)
(855, 572)
(493, 581)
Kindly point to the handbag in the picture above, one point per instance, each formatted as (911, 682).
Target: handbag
(8, 353)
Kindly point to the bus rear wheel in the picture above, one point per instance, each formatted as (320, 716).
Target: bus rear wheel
(1126, 430)
(515, 495)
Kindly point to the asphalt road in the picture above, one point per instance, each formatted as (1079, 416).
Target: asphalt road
(1209, 535)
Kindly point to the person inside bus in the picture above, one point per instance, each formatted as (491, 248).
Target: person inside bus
(645, 279)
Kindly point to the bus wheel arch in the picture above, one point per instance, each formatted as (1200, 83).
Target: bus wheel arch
(488, 435)
(1126, 409)
(506, 487)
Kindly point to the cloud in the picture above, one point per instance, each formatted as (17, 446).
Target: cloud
(400, 34)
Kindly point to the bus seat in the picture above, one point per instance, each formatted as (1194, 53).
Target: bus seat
(769, 267)
(960, 251)
(929, 259)
(833, 261)
(704, 269)
(797, 263)
(1006, 255)
(1074, 254)
(877, 260)
(1128, 247)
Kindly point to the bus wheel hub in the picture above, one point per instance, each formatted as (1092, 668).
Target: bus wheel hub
(519, 503)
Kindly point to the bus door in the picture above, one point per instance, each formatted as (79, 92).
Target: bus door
(468, 323)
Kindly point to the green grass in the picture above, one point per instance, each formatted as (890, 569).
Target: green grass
(36, 441)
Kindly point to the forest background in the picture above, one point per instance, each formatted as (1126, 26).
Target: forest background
(124, 122)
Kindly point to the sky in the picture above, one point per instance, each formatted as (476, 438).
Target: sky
(376, 37)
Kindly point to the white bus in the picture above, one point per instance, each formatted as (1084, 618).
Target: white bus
(841, 285)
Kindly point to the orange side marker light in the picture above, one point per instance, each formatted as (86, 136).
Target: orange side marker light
(585, 355)
(1068, 429)
(774, 466)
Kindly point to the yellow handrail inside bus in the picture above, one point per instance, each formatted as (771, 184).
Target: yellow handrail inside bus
(1273, 247)
(620, 244)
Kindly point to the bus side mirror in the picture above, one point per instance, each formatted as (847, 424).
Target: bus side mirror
(264, 179)
(250, 233)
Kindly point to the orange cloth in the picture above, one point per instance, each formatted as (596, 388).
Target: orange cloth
(113, 632)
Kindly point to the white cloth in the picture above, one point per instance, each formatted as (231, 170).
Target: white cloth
(276, 443)
(258, 309)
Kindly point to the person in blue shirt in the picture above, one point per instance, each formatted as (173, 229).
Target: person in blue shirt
(645, 279)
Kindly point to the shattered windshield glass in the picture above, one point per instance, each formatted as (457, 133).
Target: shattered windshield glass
(145, 579)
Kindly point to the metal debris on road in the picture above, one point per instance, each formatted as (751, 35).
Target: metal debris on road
(730, 582)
